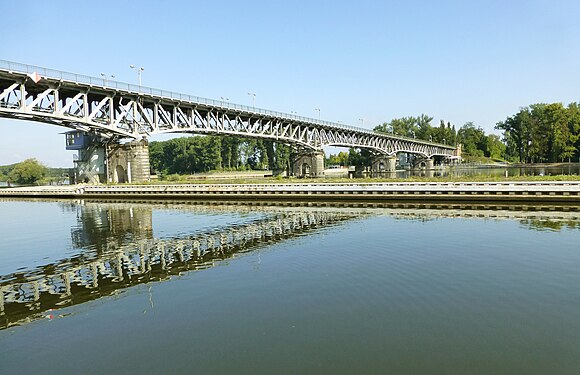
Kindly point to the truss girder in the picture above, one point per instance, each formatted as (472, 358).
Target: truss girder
(132, 114)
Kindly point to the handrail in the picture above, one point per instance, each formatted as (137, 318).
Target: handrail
(107, 83)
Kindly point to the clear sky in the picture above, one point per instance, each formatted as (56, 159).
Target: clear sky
(456, 61)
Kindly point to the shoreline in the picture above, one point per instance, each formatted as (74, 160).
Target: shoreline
(507, 191)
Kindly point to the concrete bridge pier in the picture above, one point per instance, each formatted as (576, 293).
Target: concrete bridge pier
(384, 166)
(308, 164)
(424, 164)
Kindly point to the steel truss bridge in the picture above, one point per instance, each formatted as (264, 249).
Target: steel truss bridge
(119, 110)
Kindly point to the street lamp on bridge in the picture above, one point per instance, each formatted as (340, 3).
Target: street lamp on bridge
(106, 77)
(318, 109)
(253, 95)
(139, 70)
(362, 122)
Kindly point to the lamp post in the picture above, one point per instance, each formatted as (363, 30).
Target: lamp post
(444, 141)
(106, 77)
(224, 99)
(362, 122)
(253, 95)
(139, 70)
(318, 109)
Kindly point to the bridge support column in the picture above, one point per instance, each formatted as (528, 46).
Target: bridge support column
(128, 162)
(424, 164)
(309, 164)
(384, 166)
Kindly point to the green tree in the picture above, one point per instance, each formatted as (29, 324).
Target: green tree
(359, 157)
(405, 126)
(281, 157)
(573, 149)
(27, 172)
(423, 126)
(472, 138)
(542, 132)
(340, 159)
(494, 147)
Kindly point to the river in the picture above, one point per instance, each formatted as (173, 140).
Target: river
(183, 287)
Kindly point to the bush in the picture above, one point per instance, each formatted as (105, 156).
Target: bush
(172, 177)
(28, 172)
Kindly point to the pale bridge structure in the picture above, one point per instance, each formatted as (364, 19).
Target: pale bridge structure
(102, 112)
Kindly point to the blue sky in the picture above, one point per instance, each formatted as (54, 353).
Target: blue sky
(456, 61)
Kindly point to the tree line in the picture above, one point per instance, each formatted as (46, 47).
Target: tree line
(197, 154)
(475, 143)
(543, 133)
(536, 133)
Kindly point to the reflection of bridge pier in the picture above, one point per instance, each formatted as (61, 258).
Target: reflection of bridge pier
(102, 229)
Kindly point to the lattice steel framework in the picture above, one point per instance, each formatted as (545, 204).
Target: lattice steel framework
(119, 110)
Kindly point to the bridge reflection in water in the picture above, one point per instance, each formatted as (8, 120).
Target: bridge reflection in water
(122, 252)
(117, 248)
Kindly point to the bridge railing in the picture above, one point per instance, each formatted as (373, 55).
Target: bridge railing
(106, 83)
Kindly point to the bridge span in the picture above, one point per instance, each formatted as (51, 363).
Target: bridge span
(110, 111)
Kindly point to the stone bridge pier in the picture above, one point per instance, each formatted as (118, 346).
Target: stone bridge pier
(384, 164)
(308, 164)
(128, 162)
(424, 164)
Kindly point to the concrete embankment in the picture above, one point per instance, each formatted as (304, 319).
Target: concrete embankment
(554, 191)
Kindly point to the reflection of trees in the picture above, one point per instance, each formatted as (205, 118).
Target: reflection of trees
(550, 224)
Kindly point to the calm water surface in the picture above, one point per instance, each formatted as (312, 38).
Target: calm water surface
(99, 288)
